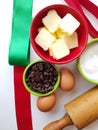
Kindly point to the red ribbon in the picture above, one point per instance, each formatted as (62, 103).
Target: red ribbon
(76, 4)
(90, 7)
(22, 101)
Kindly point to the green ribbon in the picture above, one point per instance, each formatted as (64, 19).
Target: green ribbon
(19, 49)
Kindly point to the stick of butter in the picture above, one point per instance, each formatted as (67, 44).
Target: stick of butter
(44, 38)
(69, 24)
(59, 49)
(51, 21)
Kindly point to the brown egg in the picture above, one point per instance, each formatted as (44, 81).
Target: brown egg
(67, 81)
(46, 103)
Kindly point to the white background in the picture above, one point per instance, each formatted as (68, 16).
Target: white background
(7, 108)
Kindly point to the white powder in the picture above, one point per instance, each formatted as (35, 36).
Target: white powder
(89, 62)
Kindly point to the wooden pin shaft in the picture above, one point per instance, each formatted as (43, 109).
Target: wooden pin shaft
(59, 124)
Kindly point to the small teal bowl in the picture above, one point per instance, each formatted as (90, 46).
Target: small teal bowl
(36, 93)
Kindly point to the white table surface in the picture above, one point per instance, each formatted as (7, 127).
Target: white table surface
(7, 108)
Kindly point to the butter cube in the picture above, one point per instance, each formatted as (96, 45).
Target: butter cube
(69, 24)
(58, 49)
(72, 41)
(44, 38)
(51, 21)
(54, 34)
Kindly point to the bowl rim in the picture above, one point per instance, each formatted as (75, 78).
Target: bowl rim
(53, 60)
(38, 93)
(79, 65)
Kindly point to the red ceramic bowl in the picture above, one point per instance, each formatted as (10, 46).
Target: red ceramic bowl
(82, 31)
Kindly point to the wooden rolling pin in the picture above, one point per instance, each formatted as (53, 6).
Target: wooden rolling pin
(80, 112)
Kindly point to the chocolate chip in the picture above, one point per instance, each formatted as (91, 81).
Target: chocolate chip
(41, 77)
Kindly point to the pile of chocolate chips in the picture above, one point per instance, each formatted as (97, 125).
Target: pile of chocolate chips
(41, 77)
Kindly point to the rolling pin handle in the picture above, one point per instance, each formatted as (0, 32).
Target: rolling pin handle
(59, 124)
